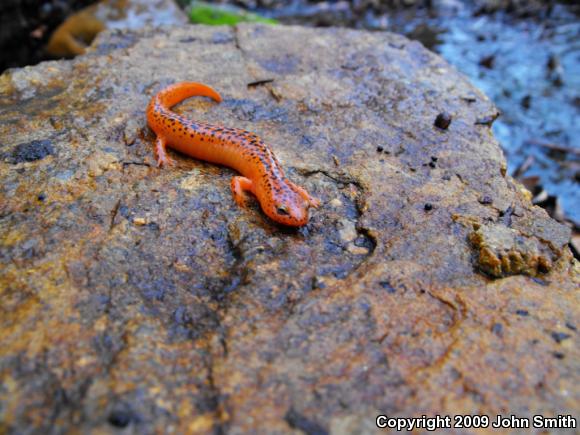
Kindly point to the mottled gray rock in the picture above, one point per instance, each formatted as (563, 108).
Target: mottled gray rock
(145, 298)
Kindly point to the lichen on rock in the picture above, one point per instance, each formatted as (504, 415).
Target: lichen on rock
(503, 251)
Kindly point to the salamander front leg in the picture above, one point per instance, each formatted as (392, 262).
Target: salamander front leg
(161, 152)
(239, 185)
(314, 202)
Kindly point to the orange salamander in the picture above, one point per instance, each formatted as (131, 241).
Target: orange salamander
(281, 199)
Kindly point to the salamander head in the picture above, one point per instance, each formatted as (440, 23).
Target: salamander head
(289, 211)
(287, 207)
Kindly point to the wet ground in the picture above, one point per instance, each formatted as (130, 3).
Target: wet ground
(529, 66)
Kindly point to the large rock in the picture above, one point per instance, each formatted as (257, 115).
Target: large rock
(145, 297)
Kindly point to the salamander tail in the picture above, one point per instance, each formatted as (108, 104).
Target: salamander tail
(173, 94)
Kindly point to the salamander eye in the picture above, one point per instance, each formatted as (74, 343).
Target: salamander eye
(282, 210)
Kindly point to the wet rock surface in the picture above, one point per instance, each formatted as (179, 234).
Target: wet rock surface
(144, 298)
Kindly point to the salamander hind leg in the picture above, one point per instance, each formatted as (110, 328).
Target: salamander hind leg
(239, 185)
(161, 152)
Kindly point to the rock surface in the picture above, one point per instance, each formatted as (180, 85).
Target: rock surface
(144, 298)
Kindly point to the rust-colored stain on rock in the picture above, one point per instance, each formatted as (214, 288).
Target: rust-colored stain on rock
(145, 298)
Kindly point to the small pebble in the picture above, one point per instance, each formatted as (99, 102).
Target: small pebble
(487, 120)
(119, 419)
(318, 282)
(487, 61)
(526, 102)
(559, 337)
(552, 63)
(443, 120)
(486, 200)
(388, 287)
(181, 267)
(139, 221)
(357, 250)
(346, 230)
(335, 202)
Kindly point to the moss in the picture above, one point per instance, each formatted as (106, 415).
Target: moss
(205, 13)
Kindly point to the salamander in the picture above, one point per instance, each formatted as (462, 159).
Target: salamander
(282, 200)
